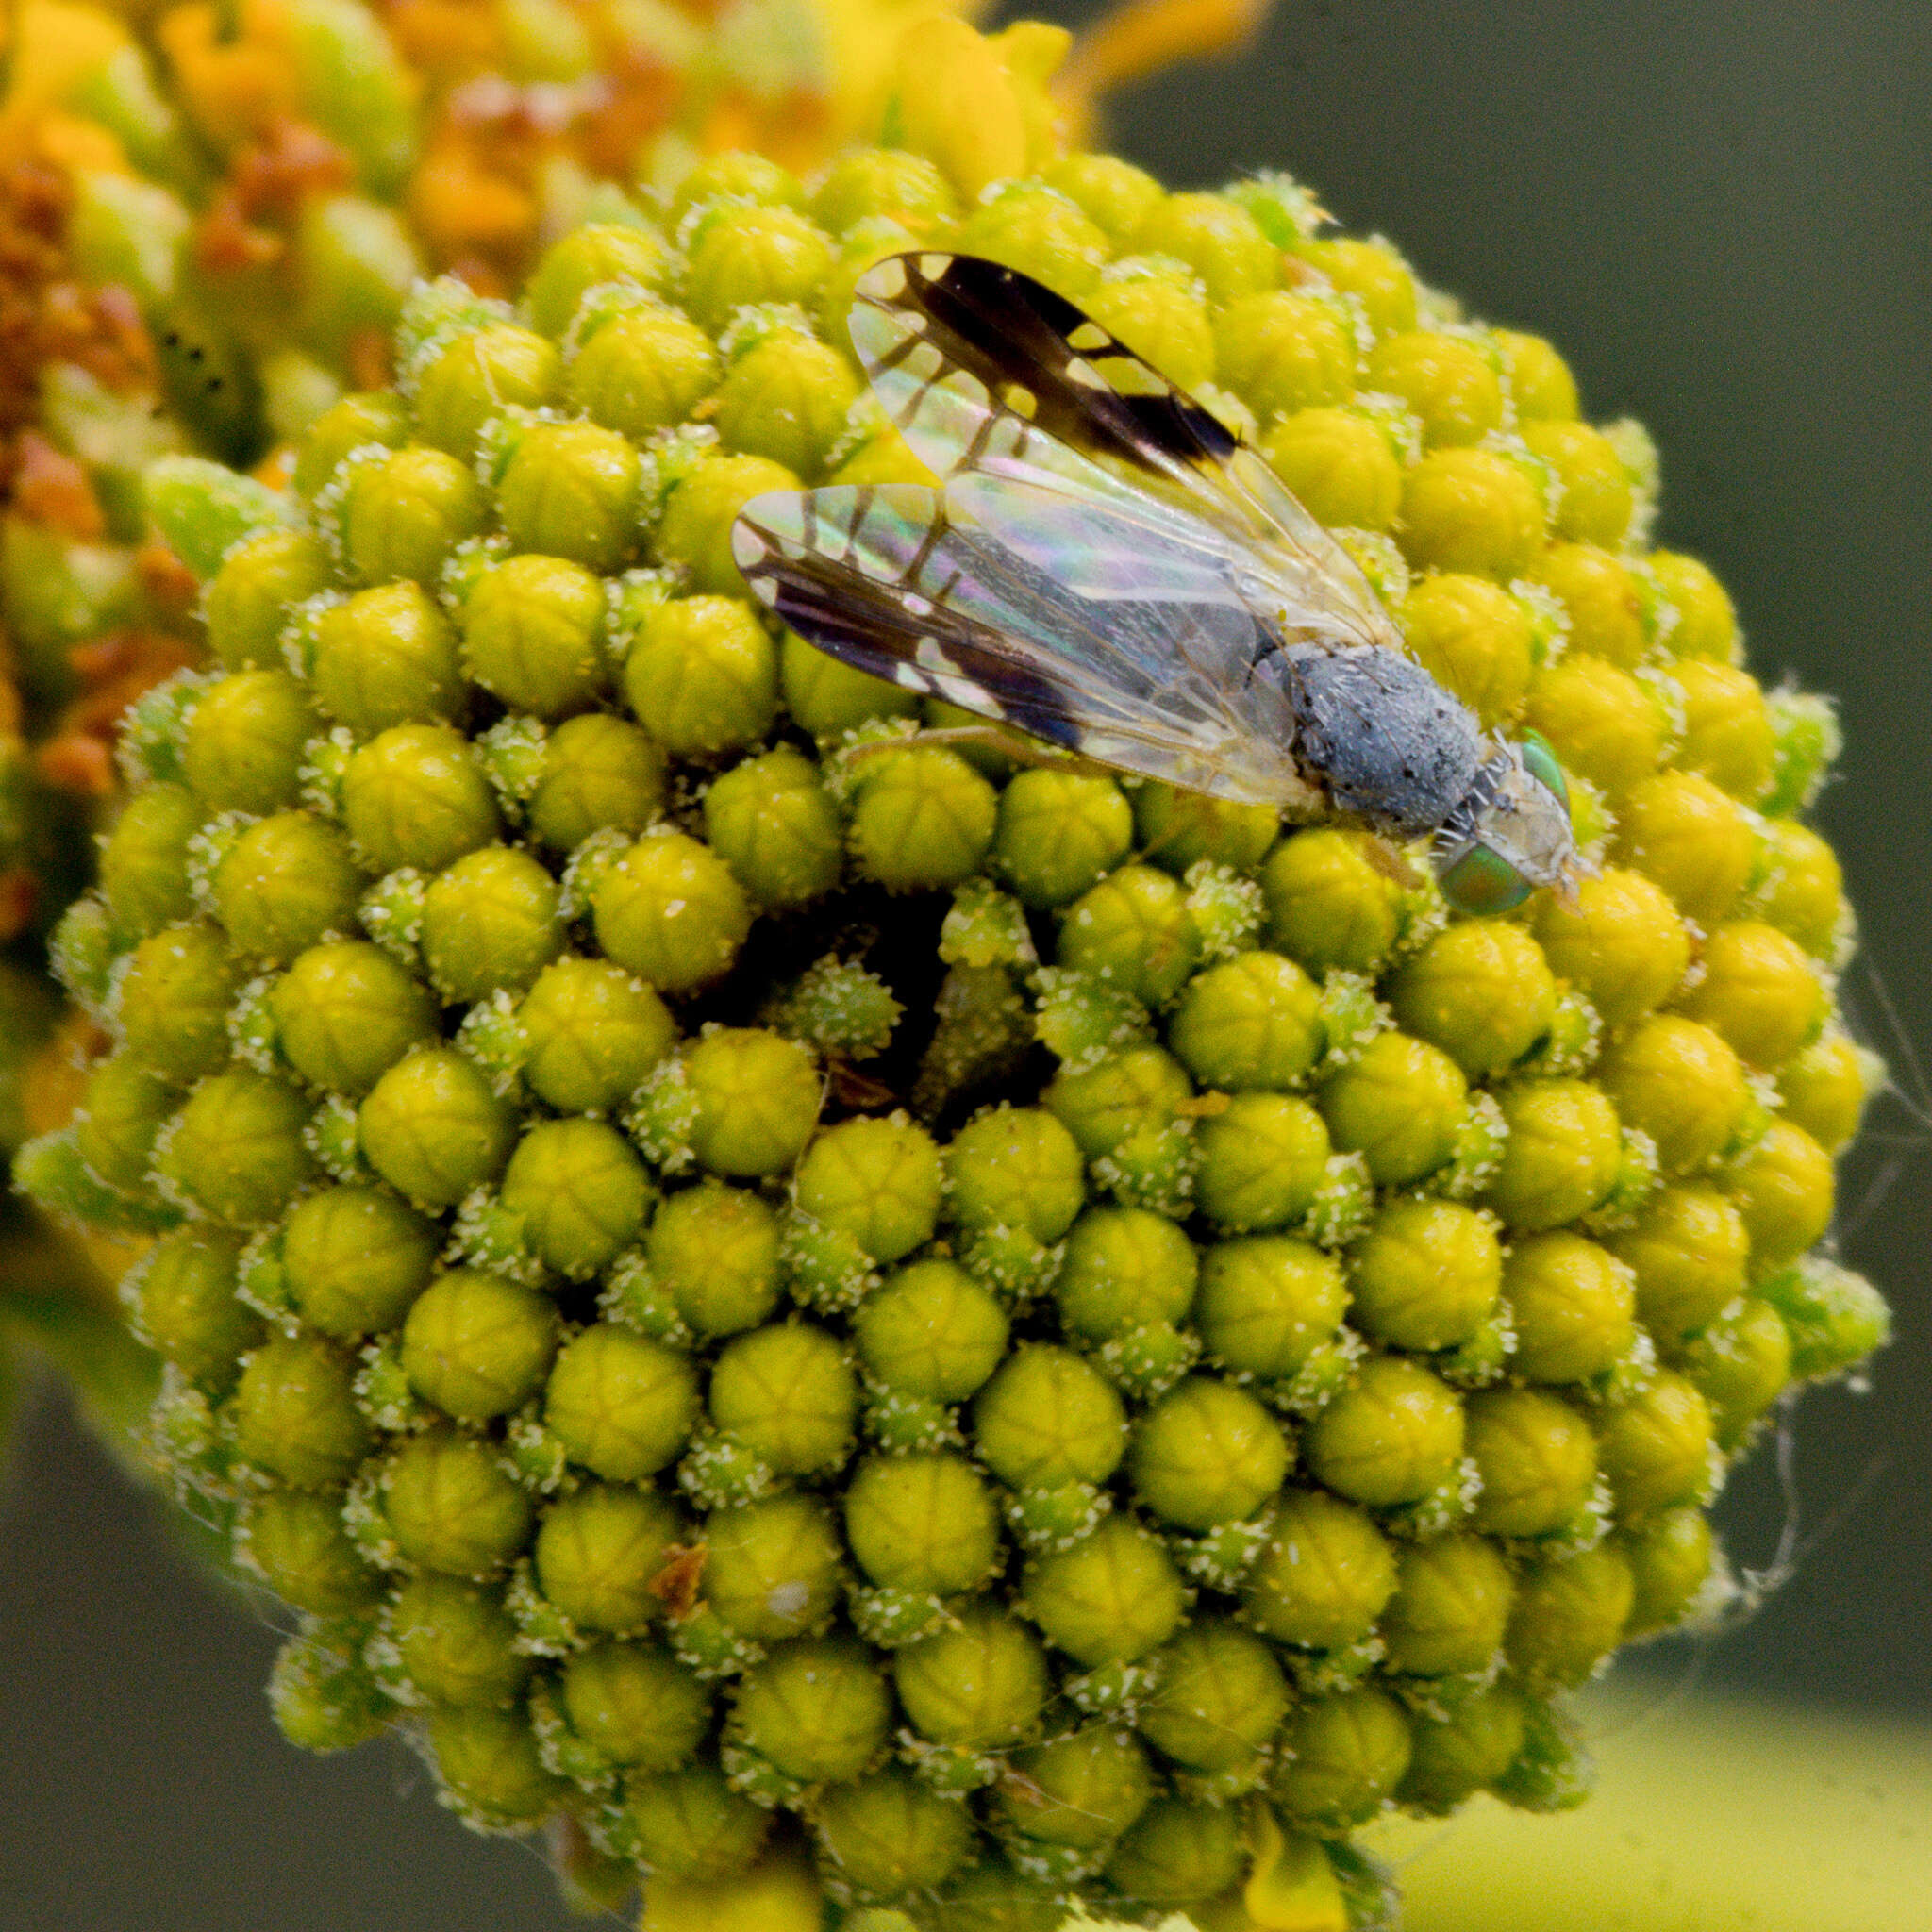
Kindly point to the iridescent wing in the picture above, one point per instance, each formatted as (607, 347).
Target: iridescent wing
(985, 370)
(1066, 618)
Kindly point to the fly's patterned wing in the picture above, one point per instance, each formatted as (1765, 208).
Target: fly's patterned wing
(1063, 617)
(985, 370)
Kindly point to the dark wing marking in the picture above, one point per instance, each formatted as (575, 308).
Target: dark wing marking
(1053, 613)
(983, 369)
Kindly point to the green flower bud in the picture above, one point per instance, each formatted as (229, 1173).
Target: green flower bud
(345, 1012)
(591, 1035)
(1706, 625)
(1140, 1091)
(173, 1004)
(1114, 194)
(1124, 1266)
(773, 1568)
(1597, 496)
(1760, 992)
(433, 1128)
(1323, 1578)
(1450, 1608)
(1802, 893)
(1343, 465)
(1400, 1105)
(774, 824)
(881, 181)
(600, 1550)
(145, 860)
(1681, 831)
(601, 252)
(1536, 1458)
(1048, 1418)
(185, 1301)
(1038, 232)
(1263, 1159)
(480, 375)
(478, 1345)
(598, 772)
(1218, 239)
(1481, 991)
(921, 819)
(884, 1837)
(1280, 353)
(1133, 930)
(1836, 1318)
(742, 255)
(670, 911)
(488, 1762)
(417, 796)
(323, 1697)
(1570, 1614)
(260, 581)
(1426, 1274)
(403, 514)
(1681, 1084)
(1671, 1557)
(1266, 1304)
(1219, 1696)
(1019, 1168)
(1450, 384)
(533, 634)
(1825, 1089)
(295, 1540)
(1462, 1750)
(580, 1192)
(1562, 1156)
(244, 742)
(787, 1394)
(1330, 902)
(1082, 1792)
(1393, 1437)
(1475, 510)
(1603, 601)
(692, 1826)
(571, 490)
(876, 1180)
(828, 698)
(1059, 832)
(635, 1706)
(1622, 944)
(932, 1331)
(1157, 311)
(1741, 1365)
(1573, 1306)
(979, 1683)
(452, 1505)
(1656, 1448)
(1728, 735)
(236, 1149)
(455, 1642)
(295, 1414)
(123, 1108)
(1473, 637)
(642, 370)
(924, 1523)
(695, 529)
(1540, 380)
(1689, 1250)
(1205, 1454)
(377, 416)
(786, 398)
(1345, 1757)
(285, 883)
(1177, 829)
(622, 1405)
(1252, 1022)
(716, 1250)
(1784, 1191)
(1112, 1597)
(354, 1260)
(701, 675)
(757, 1099)
(815, 1708)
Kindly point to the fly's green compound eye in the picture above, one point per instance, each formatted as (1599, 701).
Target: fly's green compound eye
(1482, 882)
(1540, 763)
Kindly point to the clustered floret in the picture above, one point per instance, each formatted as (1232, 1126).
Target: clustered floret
(750, 1270)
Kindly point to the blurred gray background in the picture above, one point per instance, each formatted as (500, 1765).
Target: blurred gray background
(1721, 213)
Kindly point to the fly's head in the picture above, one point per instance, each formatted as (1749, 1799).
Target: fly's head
(1511, 833)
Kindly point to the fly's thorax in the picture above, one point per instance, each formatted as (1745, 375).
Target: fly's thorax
(1387, 742)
